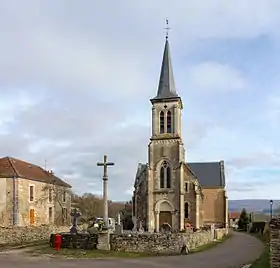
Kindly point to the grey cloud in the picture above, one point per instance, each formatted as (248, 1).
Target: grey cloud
(259, 158)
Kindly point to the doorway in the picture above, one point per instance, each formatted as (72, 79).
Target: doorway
(32, 216)
(165, 217)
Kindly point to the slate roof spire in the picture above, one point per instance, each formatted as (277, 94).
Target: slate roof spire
(166, 87)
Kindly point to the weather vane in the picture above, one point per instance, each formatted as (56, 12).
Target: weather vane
(166, 28)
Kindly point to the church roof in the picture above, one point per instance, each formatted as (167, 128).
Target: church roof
(209, 174)
(166, 87)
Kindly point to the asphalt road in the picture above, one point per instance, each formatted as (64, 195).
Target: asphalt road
(236, 251)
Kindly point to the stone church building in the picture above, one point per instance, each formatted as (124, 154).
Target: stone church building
(168, 190)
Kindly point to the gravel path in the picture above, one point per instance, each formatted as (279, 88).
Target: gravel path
(240, 249)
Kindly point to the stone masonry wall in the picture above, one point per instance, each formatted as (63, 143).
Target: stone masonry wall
(275, 243)
(22, 235)
(160, 242)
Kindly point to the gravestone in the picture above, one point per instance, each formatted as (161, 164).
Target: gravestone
(75, 214)
(119, 227)
(119, 219)
(134, 224)
(141, 229)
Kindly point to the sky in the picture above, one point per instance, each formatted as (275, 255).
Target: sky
(76, 78)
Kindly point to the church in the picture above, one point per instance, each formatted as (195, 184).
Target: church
(168, 191)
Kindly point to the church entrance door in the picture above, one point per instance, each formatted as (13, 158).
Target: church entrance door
(165, 217)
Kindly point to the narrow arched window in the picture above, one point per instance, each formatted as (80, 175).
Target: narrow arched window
(162, 175)
(186, 210)
(161, 118)
(169, 122)
(165, 175)
(168, 178)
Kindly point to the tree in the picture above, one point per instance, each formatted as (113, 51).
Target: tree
(127, 216)
(243, 220)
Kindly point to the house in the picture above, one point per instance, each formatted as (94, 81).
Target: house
(168, 190)
(30, 195)
(233, 218)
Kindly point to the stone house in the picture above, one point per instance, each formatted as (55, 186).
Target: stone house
(233, 218)
(169, 190)
(30, 195)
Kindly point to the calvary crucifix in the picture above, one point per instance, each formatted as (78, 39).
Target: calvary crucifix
(105, 164)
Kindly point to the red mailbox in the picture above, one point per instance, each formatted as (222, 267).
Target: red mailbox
(58, 240)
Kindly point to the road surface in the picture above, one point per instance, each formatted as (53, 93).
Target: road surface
(240, 249)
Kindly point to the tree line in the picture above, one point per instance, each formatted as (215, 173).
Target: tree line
(91, 207)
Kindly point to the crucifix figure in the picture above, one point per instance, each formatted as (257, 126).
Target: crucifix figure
(105, 165)
(75, 214)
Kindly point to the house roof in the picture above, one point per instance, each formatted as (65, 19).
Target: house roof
(234, 215)
(209, 173)
(11, 167)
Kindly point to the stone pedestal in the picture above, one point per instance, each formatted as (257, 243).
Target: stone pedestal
(103, 241)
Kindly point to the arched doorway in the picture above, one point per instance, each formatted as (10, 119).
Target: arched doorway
(165, 214)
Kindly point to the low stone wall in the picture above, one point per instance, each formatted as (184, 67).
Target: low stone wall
(220, 233)
(23, 235)
(162, 243)
(275, 243)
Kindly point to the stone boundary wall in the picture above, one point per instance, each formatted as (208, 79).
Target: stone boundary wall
(23, 235)
(275, 243)
(163, 243)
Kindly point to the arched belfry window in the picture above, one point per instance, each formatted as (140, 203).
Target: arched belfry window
(161, 119)
(165, 175)
(169, 122)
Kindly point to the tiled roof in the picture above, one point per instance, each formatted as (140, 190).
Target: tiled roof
(234, 215)
(209, 174)
(11, 167)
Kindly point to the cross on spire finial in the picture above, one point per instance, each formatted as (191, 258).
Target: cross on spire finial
(166, 28)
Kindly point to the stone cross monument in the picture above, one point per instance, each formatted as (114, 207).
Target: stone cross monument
(75, 214)
(105, 164)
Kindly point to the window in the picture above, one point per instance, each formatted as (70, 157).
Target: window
(64, 215)
(187, 187)
(50, 215)
(168, 178)
(186, 210)
(162, 177)
(165, 176)
(31, 193)
(64, 196)
(169, 122)
(161, 116)
(50, 195)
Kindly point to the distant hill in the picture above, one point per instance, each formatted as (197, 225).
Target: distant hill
(252, 205)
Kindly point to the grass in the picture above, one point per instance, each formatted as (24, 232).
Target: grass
(25, 245)
(45, 249)
(263, 260)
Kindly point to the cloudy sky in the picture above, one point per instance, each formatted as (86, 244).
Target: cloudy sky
(76, 78)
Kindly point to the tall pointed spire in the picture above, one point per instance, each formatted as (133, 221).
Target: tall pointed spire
(166, 87)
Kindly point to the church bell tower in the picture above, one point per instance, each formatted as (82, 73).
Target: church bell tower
(166, 150)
